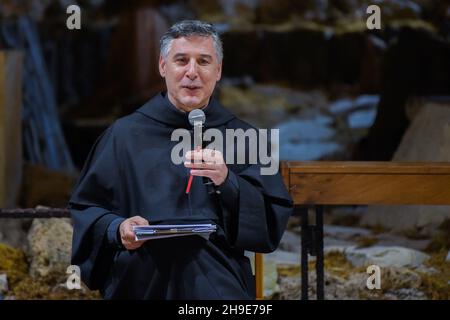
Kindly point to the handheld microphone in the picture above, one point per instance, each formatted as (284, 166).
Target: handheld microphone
(197, 118)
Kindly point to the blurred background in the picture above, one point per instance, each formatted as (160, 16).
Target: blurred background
(336, 91)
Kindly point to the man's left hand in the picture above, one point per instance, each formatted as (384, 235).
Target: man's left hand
(207, 163)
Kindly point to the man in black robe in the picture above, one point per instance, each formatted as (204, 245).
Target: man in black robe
(130, 179)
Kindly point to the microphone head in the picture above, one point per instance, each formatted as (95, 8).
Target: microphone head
(197, 116)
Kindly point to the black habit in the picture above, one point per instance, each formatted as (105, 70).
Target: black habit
(129, 172)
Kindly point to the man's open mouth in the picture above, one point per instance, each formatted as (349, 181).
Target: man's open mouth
(191, 87)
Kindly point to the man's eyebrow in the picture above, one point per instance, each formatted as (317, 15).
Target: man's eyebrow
(181, 55)
(206, 56)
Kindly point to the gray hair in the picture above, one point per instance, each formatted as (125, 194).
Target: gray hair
(187, 28)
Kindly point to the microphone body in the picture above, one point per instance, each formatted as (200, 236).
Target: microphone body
(197, 118)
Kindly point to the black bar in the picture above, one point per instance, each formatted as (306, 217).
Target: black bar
(304, 255)
(319, 251)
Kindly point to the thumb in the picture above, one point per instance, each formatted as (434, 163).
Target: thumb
(140, 221)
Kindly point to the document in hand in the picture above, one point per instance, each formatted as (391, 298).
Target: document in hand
(172, 230)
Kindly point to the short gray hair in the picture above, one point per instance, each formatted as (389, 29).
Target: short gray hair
(187, 28)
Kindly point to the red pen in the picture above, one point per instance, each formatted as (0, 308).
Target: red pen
(188, 187)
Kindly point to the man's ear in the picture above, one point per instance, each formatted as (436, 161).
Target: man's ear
(162, 66)
(219, 73)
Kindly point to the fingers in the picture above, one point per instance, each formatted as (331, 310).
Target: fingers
(139, 221)
(133, 245)
(204, 165)
(212, 174)
(206, 155)
(127, 235)
(207, 163)
(210, 155)
(195, 156)
(126, 232)
(217, 176)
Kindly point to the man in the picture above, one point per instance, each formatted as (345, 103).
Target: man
(129, 179)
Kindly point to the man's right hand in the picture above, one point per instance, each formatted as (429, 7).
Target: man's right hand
(127, 235)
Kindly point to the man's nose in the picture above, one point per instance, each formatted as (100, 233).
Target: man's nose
(191, 72)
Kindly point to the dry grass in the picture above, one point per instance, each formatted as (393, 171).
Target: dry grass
(346, 220)
(441, 241)
(13, 262)
(377, 229)
(337, 264)
(363, 242)
(436, 285)
(30, 289)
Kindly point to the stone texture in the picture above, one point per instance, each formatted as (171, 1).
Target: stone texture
(49, 247)
(281, 257)
(382, 256)
(343, 232)
(427, 139)
(336, 287)
(396, 284)
(405, 294)
(3, 283)
(271, 286)
(290, 242)
(388, 239)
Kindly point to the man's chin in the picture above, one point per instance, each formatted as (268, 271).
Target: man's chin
(192, 103)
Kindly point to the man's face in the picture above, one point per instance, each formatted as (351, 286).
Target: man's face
(191, 70)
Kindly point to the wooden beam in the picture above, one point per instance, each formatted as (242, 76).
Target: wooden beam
(368, 167)
(369, 183)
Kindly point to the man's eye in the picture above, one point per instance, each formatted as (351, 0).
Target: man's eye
(203, 62)
(181, 60)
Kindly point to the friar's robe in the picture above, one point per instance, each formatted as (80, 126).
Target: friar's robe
(129, 172)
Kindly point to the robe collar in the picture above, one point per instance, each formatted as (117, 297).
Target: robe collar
(161, 109)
